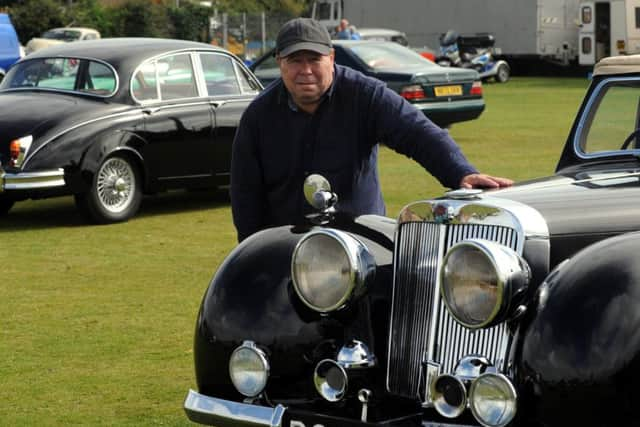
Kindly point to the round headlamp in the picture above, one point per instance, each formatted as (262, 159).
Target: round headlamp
(479, 278)
(493, 400)
(329, 267)
(249, 369)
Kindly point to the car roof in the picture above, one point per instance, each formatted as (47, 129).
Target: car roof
(119, 50)
(378, 32)
(85, 29)
(617, 65)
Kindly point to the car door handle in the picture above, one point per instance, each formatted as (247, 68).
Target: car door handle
(149, 111)
(216, 104)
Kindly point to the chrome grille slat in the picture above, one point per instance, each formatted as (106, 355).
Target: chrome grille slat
(412, 304)
(416, 294)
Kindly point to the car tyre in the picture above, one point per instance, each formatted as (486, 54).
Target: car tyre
(503, 74)
(115, 194)
(5, 206)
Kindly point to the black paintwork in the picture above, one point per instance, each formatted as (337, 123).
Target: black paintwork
(295, 337)
(575, 358)
(176, 144)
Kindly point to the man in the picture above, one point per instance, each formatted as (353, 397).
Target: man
(327, 119)
(343, 32)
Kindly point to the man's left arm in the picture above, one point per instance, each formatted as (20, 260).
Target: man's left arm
(408, 131)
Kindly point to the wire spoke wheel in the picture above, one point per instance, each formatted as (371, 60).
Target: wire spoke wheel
(115, 185)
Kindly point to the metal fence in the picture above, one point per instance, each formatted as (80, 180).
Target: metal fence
(246, 35)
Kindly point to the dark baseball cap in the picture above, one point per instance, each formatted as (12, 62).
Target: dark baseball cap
(303, 34)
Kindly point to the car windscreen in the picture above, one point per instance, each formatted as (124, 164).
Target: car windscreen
(66, 74)
(388, 55)
(66, 35)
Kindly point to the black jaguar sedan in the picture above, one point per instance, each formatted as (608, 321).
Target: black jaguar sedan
(445, 95)
(110, 120)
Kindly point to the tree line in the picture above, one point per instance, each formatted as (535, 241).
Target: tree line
(180, 19)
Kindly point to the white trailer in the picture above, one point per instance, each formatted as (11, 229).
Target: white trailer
(522, 28)
(608, 28)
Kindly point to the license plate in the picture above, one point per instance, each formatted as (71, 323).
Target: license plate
(448, 90)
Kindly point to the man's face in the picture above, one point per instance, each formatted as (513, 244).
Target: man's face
(307, 75)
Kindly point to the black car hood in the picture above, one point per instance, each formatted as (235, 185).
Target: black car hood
(602, 200)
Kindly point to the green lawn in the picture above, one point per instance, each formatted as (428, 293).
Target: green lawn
(96, 322)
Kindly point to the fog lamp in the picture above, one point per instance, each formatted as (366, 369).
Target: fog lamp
(479, 280)
(449, 396)
(493, 400)
(249, 369)
(331, 380)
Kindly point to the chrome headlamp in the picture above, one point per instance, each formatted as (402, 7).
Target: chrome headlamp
(493, 400)
(249, 369)
(329, 267)
(480, 279)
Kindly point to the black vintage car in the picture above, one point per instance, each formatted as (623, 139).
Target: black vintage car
(108, 120)
(516, 307)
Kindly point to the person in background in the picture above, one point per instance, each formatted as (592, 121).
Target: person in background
(342, 32)
(355, 35)
(323, 118)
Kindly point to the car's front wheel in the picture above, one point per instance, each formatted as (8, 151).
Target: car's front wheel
(116, 191)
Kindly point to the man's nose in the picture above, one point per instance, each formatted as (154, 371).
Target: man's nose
(305, 67)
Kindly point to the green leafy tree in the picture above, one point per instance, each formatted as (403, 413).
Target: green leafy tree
(33, 17)
(190, 22)
(140, 18)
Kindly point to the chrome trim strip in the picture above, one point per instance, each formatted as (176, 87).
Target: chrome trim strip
(167, 178)
(31, 180)
(224, 413)
(444, 104)
(485, 210)
(595, 96)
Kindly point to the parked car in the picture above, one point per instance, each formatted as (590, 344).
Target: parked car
(108, 120)
(445, 95)
(383, 34)
(56, 36)
(10, 49)
(515, 307)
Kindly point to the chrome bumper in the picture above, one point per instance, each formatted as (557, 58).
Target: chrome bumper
(224, 413)
(31, 180)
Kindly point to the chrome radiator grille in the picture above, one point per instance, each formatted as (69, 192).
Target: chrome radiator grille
(417, 333)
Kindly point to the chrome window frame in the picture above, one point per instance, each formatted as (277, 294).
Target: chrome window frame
(586, 118)
(74, 92)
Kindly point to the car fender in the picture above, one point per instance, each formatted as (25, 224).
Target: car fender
(578, 359)
(80, 152)
(251, 297)
(107, 144)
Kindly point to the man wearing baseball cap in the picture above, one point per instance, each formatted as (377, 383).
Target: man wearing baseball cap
(323, 118)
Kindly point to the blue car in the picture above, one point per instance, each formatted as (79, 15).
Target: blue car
(10, 50)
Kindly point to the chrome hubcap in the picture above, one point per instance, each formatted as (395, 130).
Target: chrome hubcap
(115, 185)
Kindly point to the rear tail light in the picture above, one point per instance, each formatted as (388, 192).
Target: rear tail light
(476, 88)
(412, 93)
(17, 150)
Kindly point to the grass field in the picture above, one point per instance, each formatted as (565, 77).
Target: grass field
(96, 322)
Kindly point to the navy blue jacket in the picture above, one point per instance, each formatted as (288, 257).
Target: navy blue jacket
(277, 146)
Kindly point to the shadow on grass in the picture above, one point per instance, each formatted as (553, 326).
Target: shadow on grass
(62, 212)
